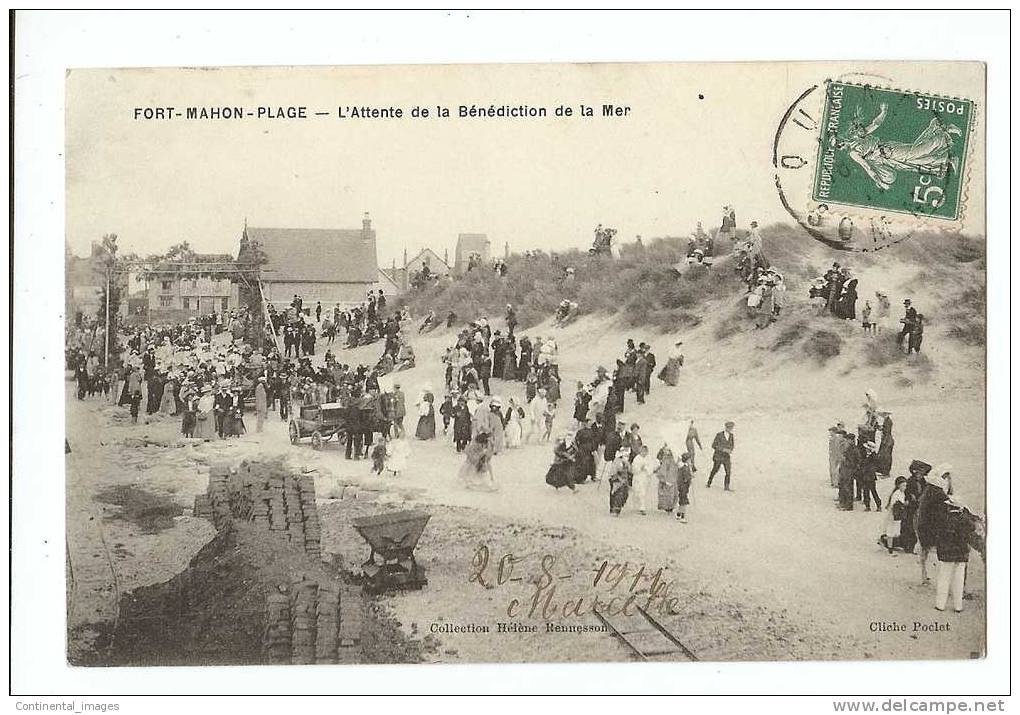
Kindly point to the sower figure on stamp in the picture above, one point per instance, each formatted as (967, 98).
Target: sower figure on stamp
(881, 159)
(722, 447)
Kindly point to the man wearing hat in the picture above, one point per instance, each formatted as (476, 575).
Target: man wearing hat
(646, 349)
(909, 320)
(399, 411)
(867, 477)
(722, 448)
(931, 512)
(221, 406)
(640, 373)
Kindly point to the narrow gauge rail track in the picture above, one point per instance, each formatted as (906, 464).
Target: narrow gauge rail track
(645, 636)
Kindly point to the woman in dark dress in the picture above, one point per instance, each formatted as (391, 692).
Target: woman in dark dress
(684, 486)
(530, 386)
(552, 387)
(508, 370)
(155, 394)
(562, 471)
(427, 416)
(498, 348)
(525, 362)
(911, 499)
(585, 443)
(233, 420)
(125, 392)
(461, 425)
(847, 307)
(883, 460)
(617, 393)
(620, 477)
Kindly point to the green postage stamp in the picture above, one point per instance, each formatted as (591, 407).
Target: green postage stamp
(893, 150)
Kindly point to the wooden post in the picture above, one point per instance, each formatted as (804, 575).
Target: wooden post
(106, 330)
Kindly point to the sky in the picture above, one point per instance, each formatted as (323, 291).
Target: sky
(696, 137)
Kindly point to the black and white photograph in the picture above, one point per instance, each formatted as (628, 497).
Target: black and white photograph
(554, 404)
(443, 364)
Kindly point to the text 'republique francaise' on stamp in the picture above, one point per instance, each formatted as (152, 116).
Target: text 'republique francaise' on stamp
(880, 163)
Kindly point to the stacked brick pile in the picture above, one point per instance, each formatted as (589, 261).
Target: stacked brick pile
(303, 624)
(327, 625)
(215, 503)
(315, 619)
(278, 628)
(304, 627)
(260, 493)
(352, 616)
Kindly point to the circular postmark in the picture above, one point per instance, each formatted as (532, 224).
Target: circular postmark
(862, 167)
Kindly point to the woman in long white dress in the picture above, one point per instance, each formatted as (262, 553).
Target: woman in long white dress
(514, 428)
(538, 407)
(644, 482)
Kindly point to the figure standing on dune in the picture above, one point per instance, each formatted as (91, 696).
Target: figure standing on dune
(722, 447)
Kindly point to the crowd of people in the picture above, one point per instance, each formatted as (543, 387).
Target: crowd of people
(363, 324)
(836, 293)
(208, 372)
(602, 445)
(921, 513)
(185, 369)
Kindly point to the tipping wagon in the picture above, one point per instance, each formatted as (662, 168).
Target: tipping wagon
(392, 538)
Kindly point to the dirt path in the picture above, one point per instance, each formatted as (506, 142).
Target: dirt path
(777, 541)
(772, 568)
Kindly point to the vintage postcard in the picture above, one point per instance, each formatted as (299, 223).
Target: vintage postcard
(525, 363)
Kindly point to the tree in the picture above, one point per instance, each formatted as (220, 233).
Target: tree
(109, 295)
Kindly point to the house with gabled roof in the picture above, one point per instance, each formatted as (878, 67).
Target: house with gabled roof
(468, 245)
(328, 265)
(404, 275)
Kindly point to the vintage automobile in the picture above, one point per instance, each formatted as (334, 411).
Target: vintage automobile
(320, 422)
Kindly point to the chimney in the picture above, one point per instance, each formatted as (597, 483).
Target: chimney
(366, 227)
(446, 256)
(506, 249)
(405, 256)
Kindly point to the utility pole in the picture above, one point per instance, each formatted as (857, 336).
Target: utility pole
(106, 330)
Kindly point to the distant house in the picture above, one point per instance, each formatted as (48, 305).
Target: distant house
(470, 244)
(330, 265)
(85, 281)
(403, 275)
(387, 285)
(177, 293)
(427, 257)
